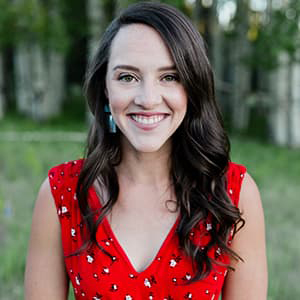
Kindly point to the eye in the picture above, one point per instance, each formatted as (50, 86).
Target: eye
(126, 77)
(171, 77)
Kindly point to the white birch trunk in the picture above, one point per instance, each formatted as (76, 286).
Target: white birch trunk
(48, 84)
(278, 116)
(97, 23)
(23, 75)
(39, 77)
(294, 110)
(23, 78)
(2, 95)
(285, 116)
(241, 74)
(52, 83)
(57, 84)
(241, 91)
(40, 83)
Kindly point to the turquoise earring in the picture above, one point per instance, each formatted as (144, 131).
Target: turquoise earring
(111, 123)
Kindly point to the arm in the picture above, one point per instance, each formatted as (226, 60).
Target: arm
(249, 280)
(45, 274)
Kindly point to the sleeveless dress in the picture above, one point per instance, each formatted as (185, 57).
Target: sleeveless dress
(95, 275)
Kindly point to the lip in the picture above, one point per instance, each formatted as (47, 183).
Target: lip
(147, 127)
(147, 114)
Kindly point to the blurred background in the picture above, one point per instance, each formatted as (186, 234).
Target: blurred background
(254, 47)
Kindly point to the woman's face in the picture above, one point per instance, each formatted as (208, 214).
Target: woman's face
(146, 98)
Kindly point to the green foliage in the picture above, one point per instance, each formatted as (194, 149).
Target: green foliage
(280, 34)
(75, 19)
(33, 21)
(180, 4)
(7, 24)
(269, 34)
(56, 36)
(43, 23)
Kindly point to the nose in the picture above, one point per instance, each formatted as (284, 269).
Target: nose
(148, 95)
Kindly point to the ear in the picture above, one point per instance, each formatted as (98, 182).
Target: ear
(106, 92)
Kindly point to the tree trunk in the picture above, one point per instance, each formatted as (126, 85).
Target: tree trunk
(39, 77)
(48, 85)
(241, 73)
(2, 95)
(280, 94)
(97, 23)
(294, 108)
(23, 78)
(57, 87)
(205, 21)
(285, 116)
(39, 81)
(215, 44)
(97, 19)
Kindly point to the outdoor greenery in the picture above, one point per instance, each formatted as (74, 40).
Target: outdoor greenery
(258, 37)
(24, 165)
(255, 57)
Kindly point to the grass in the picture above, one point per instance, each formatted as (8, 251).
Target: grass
(23, 166)
(277, 173)
(15, 122)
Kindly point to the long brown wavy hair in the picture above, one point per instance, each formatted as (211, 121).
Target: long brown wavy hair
(200, 146)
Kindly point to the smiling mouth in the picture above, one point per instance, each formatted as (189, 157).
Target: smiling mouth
(147, 120)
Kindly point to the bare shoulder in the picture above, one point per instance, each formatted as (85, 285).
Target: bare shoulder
(250, 198)
(45, 254)
(45, 201)
(249, 243)
(45, 211)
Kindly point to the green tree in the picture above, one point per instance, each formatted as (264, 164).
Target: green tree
(41, 43)
(7, 34)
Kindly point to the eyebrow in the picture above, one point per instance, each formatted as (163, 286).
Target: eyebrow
(132, 68)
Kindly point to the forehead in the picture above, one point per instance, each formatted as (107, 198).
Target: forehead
(139, 44)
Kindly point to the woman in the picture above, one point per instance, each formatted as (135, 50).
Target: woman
(156, 210)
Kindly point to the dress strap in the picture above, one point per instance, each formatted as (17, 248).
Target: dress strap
(63, 182)
(235, 176)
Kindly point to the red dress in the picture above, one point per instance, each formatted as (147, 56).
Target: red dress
(94, 275)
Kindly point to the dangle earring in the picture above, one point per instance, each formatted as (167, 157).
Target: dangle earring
(111, 123)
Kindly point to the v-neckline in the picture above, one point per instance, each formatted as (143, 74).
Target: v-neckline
(110, 233)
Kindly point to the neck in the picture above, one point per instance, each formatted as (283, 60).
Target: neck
(145, 168)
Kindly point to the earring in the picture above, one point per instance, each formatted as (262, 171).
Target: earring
(111, 123)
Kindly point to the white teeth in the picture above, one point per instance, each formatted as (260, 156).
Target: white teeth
(147, 120)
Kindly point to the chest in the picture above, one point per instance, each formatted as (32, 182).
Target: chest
(95, 274)
(141, 223)
(141, 235)
(135, 272)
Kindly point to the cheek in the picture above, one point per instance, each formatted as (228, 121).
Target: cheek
(117, 99)
(184, 99)
(183, 102)
(179, 102)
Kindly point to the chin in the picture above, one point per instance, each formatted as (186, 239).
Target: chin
(151, 146)
(147, 148)
(143, 145)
